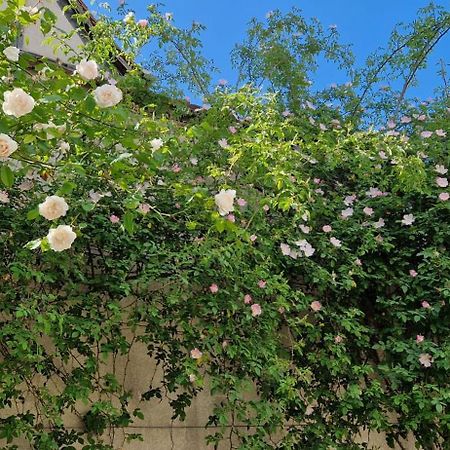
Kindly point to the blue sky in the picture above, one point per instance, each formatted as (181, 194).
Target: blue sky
(366, 24)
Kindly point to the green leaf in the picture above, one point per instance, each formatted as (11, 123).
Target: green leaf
(6, 176)
(33, 214)
(128, 222)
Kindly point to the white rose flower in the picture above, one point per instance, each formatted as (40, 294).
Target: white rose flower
(61, 238)
(7, 146)
(224, 201)
(107, 95)
(17, 103)
(87, 69)
(156, 144)
(12, 53)
(54, 207)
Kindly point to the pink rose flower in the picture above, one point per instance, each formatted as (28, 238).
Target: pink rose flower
(327, 229)
(368, 211)
(262, 284)
(426, 134)
(425, 359)
(114, 219)
(253, 237)
(419, 338)
(316, 305)
(413, 273)
(214, 288)
(426, 305)
(442, 182)
(247, 299)
(196, 353)
(444, 196)
(241, 202)
(256, 310)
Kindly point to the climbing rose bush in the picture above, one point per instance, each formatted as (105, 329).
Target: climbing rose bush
(294, 265)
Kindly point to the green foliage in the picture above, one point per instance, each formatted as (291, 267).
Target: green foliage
(316, 308)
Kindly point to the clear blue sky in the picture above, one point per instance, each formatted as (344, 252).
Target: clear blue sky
(364, 23)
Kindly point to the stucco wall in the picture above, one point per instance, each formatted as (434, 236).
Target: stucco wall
(32, 40)
(159, 432)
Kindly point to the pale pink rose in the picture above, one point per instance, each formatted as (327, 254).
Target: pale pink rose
(358, 262)
(253, 237)
(442, 182)
(12, 53)
(214, 288)
(223, 143)
(336, 242)
(222, 82)
(144, 208)
(425, 359)
(408, 219)
(327, 229)
(426, 134)
(256, 310)
(382, 155)
(266, 208)
(420, 338)
(156, 144)
(444, 196)
(177, 205)
(87, 70)
(439, 168)
(232, 130)
(224, 201)
(142, 23)
(262, 284)
(440, 133)
(231, 218)
(405, 119)
(413, 273)
(305, 247)
(114, 219)
(196, 353)
(338, 339)
(317, 180)
(368, 211)
(305, 229)
(53, 207)
(107, 96)
(426, 305)
(316, 305)
(241, 202)
(421, 117)
(285, 249)
(61, 238)
(176, 168)
(192, 378)
(247, 299)
(7, 146)
(391, 124)
(380, 223)
(17, 103)
(374, 192)
(4, 197)
(346, 213)
(349, 200)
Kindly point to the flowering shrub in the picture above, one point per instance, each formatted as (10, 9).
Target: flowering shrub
(250, 249)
